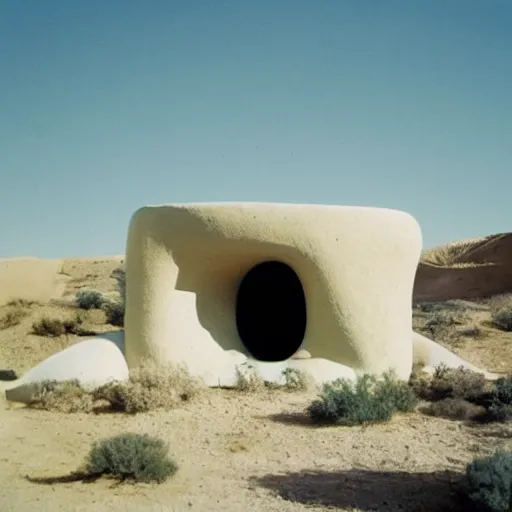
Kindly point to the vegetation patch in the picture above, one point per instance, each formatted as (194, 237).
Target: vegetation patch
(454, 409)
(12, 317)
(450, 383)
(488, 483)
(67, 397)
(502, 318)
(460, 394)
(128, 457)
(249, 380)
(132, 457)
(89, 299)
(148, 388)
(368, 400)
(114, 312)
(55, 327)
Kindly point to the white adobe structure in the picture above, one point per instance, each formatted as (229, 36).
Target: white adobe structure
(222, 287)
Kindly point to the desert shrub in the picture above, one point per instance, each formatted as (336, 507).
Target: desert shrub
(502, 318)
(119, 275)
(131, 457)
(503, 390)
(500, 402)
(368, 400)
(12, 318)
(21, 303)
(54, 327)
(454, 409)
(488, 483)
(89, 299)
(65, 396)
(498, 412)
(452, 383)
(443, 317)
(444, 322)
(150, 387)
(247, 379)
(114, 312)
(297, 380)
(472, 331)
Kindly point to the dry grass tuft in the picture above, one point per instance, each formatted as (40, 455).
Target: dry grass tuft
(21, 303)
(12, 318)
(17, 310)
(55, 327)
(149, 388)
(449, 383)
(294, 380)
(298, 380)
(454, 409)
(454, 254)
(448, 323)
(248, 379)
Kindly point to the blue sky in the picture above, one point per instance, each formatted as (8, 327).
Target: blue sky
(106, 106)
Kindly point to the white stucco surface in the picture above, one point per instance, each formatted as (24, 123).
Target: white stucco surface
(184, 264)
(92, 362)
(431, 354)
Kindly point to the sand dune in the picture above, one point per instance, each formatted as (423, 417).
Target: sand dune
(473, 269)
(31, 279)
(466, 269)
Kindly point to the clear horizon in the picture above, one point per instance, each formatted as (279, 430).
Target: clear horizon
(107, 107)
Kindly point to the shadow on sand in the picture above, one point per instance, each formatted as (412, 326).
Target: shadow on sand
(370, 490)
(300, 419)
(64, 479)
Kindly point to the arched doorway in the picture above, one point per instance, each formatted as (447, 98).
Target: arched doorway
(271, 314)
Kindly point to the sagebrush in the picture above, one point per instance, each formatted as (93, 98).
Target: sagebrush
(488, 484)
(131, 457)
(89, 299)
(368, 400)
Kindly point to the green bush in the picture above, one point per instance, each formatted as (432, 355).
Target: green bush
(89, 299)
(500, 407)
(135, 457)
(368, 400)
(502, 318)
(488, 484)
(502, 391)
(114, 312)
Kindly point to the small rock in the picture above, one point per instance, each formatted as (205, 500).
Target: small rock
(8, 375)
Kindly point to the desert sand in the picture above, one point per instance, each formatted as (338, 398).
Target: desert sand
(246, 451)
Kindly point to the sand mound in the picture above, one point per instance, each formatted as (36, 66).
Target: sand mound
(31, 279)
(43, 280)
(470, 269)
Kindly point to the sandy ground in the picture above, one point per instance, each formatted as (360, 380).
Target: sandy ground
(244, 452)
(236, 451)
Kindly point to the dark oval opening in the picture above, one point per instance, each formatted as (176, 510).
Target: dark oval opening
(271, 314)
